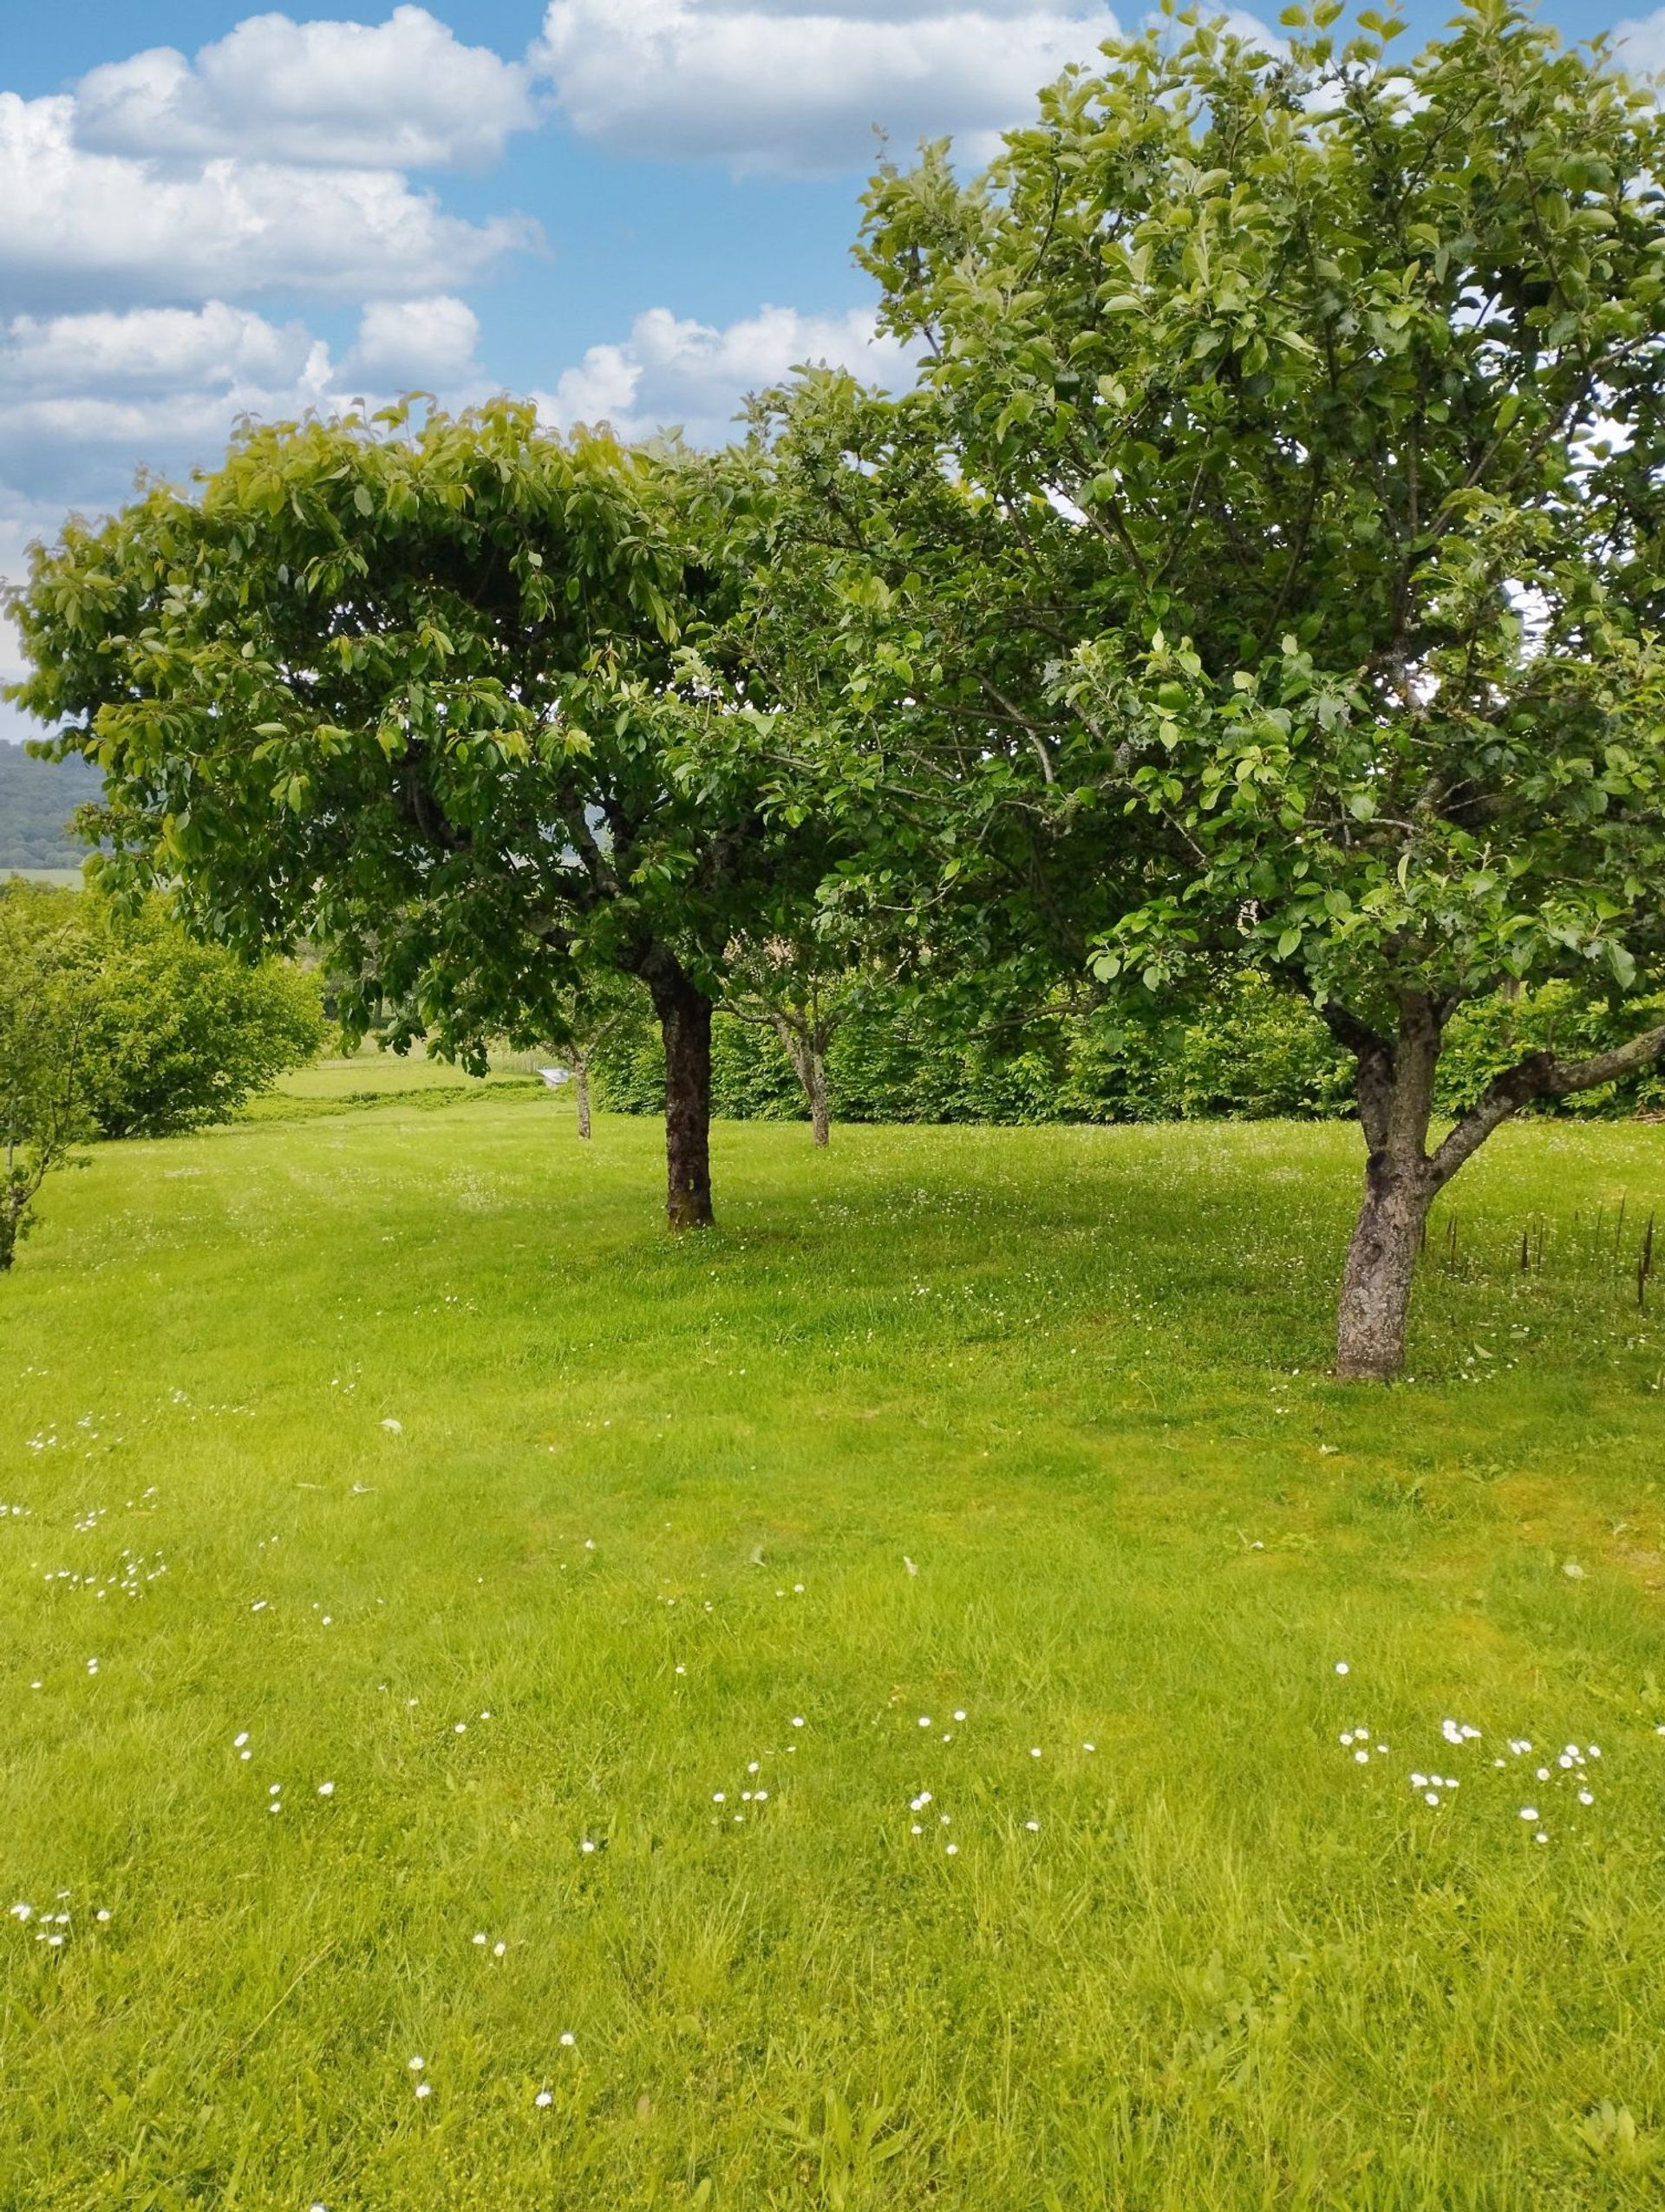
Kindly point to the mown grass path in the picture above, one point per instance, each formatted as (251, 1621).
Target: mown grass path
(612, 1582)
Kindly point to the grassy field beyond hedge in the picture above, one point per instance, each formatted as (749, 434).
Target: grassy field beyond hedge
(881, 1705)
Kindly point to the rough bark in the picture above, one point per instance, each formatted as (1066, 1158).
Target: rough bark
(581, 1078)
(1402, 1178)
(1396, 1095)
(684, 1013)
(1381, 1266)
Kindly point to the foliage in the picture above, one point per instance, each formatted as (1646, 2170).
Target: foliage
(1276, 541)
(179, 1033)
(38, 798)
(119, 1025)
(44, 1111)
(427, 696)
(1243, 1050)
(452, 703)
(1052, 1368)
(1329, 386)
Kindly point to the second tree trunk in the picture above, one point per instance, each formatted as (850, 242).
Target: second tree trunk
(684, 1014)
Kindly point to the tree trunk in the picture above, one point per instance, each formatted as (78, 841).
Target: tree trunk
(1395, 1094)
(684, 1015)
(1380, 1265)
(819, 1119)
(581, 1077)
(1402, 1180)
(809, 1065)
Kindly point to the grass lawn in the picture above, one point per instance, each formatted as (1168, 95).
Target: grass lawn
(846, 1711)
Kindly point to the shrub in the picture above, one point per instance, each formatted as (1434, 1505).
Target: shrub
(1247, 1052)
(181, 1033)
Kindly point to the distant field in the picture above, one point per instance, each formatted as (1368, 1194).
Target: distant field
(371, 1077)
(846, 1711)
(67, 879)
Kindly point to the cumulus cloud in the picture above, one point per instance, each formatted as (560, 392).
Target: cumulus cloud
(85, 399)
(794, 88)
(102, 228)
(151, 348)
(1641, 42)
(403, 95)
(417, 344)
(675, 374)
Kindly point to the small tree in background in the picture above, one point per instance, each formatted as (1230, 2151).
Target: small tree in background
(804, 986)
(597, 1008)
(1320, 399)
(45, 1108)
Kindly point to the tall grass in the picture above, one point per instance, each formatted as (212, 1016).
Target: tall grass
(869, 1675)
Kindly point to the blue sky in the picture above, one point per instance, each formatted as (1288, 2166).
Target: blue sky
(634, 209)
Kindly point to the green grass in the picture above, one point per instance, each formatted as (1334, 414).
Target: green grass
(650, 1506)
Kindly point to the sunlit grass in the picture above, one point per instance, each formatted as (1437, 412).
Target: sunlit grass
(402, 1439)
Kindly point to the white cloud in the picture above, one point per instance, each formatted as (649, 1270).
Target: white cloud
(426, 344)
(156, 346)
(401, 94)
(797, 87)
(85, 399)
(1641, 42)
(100, 228)
(675, 374)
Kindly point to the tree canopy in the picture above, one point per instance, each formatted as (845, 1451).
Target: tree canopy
(433, 697)
(1275, 536)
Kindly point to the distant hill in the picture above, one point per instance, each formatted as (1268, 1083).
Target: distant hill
(36, 800)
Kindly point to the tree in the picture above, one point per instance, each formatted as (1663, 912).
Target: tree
(1305, 416)
(177, 1034)
(804, 986)
(45, 1111)
(447, 701)
(597, 1008)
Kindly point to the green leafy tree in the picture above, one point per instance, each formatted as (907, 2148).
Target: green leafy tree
(44, 1109)
(1307, 409)
(179, 1034)
(598, 1007)
(448, 702)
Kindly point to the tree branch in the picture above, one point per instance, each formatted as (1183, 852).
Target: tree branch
(1374, 1081)
(1540, 1075)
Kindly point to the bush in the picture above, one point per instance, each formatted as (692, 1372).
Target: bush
(181, 1033)
(1249, 1052)
(171, 1034)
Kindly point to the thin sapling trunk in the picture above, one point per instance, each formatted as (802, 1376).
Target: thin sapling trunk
(805, 1047)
